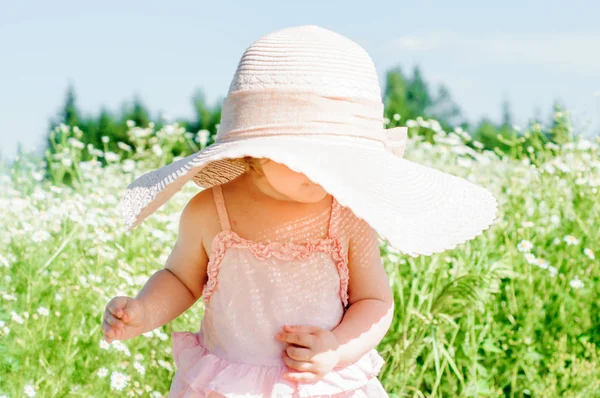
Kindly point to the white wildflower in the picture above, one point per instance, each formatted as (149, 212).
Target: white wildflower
(530, 258)
(576, 283)
(157, 150)
(139, 367)
(527, 224)
(15, 317)
(130, 123)
(111, 157)
(118, 381)
(165, 364)
(119, 346)
(29, 390)
(553, 271)
(396, 117)
(411, 123)
(105, 139)
(524, 246)
(37, 175)
(7, 296)
(75, 143)
(554, 219)
(464, 162)
(124, 146)
(202, 137)
(4, 261)
(102, 372)
(543, 264)
(43, 311)
(40, 236)
(104, 345)
(67, 162)
(386, 121)
(478, 144)
(588, 252)
(571, 240)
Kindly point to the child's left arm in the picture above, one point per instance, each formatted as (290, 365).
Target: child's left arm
(316, 351)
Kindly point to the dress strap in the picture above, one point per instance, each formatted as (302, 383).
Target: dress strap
(221, 209)
(333, 217)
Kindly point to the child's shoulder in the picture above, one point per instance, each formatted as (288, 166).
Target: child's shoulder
(350, 224)
(200, 214)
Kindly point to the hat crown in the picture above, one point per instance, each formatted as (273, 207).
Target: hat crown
(309, 58)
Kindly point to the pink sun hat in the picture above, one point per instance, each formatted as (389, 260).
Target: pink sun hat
(309, 98)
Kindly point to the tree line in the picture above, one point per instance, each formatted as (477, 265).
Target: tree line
(405, 96)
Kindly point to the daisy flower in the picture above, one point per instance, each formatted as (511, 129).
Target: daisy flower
(571, 240)
(102, 372)
(588, 252)
(530, 258)
(524, 246)
(118, 381)
(543, 264)
(576, 283)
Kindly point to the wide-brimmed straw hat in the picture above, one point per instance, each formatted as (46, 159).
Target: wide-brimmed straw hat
(309, 98)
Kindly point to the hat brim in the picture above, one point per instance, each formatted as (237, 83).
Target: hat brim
(419, 210)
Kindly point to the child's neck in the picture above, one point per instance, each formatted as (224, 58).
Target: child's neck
(260, 186)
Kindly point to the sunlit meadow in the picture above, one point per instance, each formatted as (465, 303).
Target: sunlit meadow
(514, 312)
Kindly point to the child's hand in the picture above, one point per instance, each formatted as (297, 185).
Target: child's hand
(123, 319)
(311, 352)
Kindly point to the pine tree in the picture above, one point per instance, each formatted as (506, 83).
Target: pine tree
(507, 118)
(395, 95)
(417, 94)
(70, 114)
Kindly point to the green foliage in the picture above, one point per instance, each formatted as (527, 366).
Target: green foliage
(511, 313)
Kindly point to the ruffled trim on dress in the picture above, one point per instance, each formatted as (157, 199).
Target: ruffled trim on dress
(205, 372)
(282, 251)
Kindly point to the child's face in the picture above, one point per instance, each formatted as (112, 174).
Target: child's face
(294, 186)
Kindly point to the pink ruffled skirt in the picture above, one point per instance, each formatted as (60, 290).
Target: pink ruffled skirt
(202, 374)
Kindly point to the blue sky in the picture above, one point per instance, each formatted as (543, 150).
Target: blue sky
(529, 52)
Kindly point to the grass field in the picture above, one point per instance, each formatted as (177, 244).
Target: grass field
(512, 313)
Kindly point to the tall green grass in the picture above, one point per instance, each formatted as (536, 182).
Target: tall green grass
(512, 313)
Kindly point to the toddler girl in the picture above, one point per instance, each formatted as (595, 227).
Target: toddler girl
(283, 246)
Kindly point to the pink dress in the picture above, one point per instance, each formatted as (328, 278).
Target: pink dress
(253, 289)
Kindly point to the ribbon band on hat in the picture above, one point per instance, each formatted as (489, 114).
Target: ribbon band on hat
(282, 112)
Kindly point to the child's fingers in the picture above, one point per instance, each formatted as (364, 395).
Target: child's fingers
(107, 330)
(299, 353)
(301, 339)
(301, 328)
(116, 306)
(113, 321)
(302, 377)
(296, 365)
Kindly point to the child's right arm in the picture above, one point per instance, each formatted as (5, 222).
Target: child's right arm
(170, 291)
